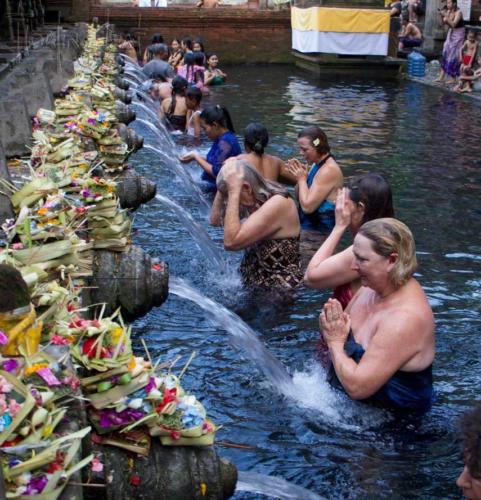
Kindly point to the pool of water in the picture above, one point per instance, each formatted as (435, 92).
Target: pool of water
(427, 144)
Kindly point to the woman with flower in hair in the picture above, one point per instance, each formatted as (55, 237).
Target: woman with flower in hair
(316, 187)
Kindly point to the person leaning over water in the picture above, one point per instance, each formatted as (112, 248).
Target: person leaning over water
(366, 197)
(217, 124)
(470, 478)
(270, 167)
(382, 347)
(269, 234)
(316, 188)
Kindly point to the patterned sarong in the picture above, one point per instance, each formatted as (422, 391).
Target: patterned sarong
(452, 50)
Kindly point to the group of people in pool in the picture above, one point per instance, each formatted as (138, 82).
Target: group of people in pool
(178, 77)
(378, 327)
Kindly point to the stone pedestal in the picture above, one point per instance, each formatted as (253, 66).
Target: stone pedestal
(434, 31)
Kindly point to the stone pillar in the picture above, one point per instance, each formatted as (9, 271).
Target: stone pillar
(434, 31)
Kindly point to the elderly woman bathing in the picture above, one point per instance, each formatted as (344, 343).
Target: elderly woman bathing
(270, 233)
(382, 347)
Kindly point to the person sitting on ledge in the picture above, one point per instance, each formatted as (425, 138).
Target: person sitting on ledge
(269, 234)
(470, 478)
(208, 4)
(470, 80)
(382, 347)
(410, 36)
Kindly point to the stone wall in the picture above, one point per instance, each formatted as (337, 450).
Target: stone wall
(236, 35)
(31, 84)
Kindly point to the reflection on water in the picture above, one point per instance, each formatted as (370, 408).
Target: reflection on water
(427, 144)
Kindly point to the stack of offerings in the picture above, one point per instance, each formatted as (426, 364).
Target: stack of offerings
(109, 226)
(31, 389)
(126, 392)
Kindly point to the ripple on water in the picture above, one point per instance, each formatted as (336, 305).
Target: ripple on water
(315, 437)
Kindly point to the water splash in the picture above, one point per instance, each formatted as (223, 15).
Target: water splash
(274, 487)
(199, 234)
(182, 174)
(308, 389)
(243, 337)
(138, 106)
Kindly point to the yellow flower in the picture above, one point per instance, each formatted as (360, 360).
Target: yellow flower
(34, 368)
(47, 431)
(116, 333)
(74, 175)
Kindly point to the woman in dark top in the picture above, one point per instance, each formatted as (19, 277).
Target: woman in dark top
(387, 355)
(217, 124)
(174, 109)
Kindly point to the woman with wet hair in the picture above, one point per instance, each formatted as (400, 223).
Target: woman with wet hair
(271, 167)
(386, 357)
(174, 109)
(365, 198)
(218, 126)
(269, 234)
(316, 186)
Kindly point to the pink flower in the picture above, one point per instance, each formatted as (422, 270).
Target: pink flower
(59, 340)
(3, 404)
(3, 338)
(14, 407)
(5, 386)
(17, 246)
(97, 465)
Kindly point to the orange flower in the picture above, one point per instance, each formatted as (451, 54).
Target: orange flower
(42, 211)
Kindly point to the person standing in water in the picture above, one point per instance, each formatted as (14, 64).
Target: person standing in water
(382, 347)
(270, 232)
(366, 197)
(193, 97)
(271, 167)
(316, 187)
(214, 75)
(218, 127)
(174, 109)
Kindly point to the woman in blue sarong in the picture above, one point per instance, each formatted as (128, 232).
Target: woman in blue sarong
(217, 124)
(382, 347)
(316, 187)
